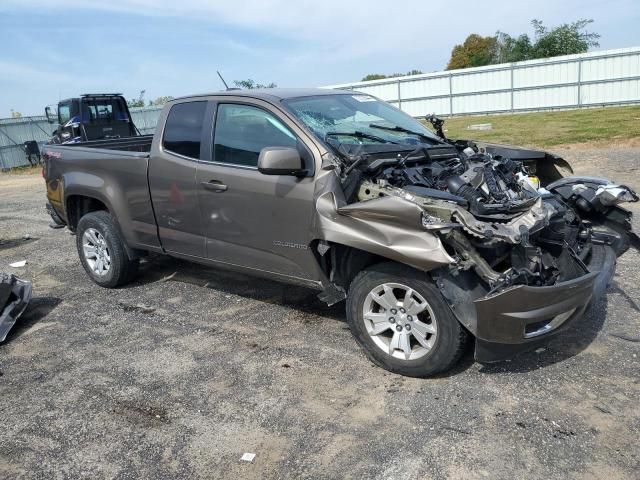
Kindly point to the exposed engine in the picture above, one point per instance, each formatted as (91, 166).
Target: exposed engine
(491, 212)
(491, 188)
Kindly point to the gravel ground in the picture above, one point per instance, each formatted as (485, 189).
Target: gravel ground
(179, 374)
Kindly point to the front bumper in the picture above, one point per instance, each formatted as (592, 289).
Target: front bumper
(15, 295)
(523, 317)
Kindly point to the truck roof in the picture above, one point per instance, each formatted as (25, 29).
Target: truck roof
(91, 95)
(272, 93)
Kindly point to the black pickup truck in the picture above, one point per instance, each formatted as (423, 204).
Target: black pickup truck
(431, 241)
(92, 116)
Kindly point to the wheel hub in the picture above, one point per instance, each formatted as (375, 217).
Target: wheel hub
(399, 321)
(96, 252)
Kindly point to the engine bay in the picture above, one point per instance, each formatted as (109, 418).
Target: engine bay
(493, 214)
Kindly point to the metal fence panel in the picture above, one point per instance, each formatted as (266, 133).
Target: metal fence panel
(15, 131)
(146, 118)
(481, 81)
(435, 86)
(606, 77)
(483, 102)
(625, 91)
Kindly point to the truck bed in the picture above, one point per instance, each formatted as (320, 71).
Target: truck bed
(138, 143)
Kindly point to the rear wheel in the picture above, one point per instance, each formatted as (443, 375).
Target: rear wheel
(102, 251)
(402, 321)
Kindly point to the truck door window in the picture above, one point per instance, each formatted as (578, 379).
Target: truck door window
(241, 131)
(183, 129)
(64, 113)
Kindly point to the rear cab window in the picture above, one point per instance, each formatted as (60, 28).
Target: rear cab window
(183, 129)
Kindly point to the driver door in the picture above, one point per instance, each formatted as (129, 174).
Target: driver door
(251, 220)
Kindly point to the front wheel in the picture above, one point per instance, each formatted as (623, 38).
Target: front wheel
(402, 322)
(102, 251)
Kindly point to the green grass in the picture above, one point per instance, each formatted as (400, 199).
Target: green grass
(546, 129)
(25, 170)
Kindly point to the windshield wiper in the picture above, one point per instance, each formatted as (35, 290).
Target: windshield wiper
(398, 128)
(358, 134)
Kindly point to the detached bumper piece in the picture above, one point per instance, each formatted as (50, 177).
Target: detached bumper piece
(523, 317)
(15, 295)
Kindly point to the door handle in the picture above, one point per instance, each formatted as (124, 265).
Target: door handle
(214, 185)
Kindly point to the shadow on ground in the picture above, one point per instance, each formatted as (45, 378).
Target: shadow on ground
(165, 269)
(37, 310)
(573, 339)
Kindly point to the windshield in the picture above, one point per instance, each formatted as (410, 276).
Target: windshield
(360, 118)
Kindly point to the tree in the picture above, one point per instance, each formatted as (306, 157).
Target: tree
(373, 76)
(475, 51)
(15, 114)
(511, 49)
(249, 84)
(160, 101)
(380, 76)
(137, 102)
(565, 39)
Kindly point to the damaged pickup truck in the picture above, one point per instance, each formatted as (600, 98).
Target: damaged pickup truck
(431, 241)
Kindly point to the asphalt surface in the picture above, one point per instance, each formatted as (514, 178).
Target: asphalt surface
(181, 373)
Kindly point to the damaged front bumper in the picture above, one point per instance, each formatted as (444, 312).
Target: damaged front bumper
(15, 295)
(523, 317)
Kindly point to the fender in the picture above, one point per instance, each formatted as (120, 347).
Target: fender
(116, 200)
(388, 226)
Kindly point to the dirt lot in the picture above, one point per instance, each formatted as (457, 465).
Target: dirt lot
(181, 373)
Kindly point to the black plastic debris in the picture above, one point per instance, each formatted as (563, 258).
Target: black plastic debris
(15, 295)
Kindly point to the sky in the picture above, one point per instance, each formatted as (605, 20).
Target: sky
(51, 50)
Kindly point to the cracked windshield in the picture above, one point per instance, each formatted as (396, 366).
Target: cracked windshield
(358, 119)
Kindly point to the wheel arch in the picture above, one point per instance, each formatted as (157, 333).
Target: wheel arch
(78, 205)
(341, 263)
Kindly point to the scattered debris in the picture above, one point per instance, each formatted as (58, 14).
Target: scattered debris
(18, 264)
(457, 430)
(602, 409)
(625, 337)
(169, 277)
(15, 295)
(138, 308)
(140, 412)
(480, 126)
(248, 457)
(540, 350)
(256, 346)
(26, 236)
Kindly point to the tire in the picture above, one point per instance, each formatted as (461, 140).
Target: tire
(98, 231)
(435, 339)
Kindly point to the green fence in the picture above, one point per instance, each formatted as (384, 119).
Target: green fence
(15, 131)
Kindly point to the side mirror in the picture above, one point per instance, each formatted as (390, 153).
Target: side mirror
(51, 118)
(280, 161)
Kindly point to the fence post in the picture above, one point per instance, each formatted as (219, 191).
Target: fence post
(512, 86)
(451, 94)
(399, 97)
(580, 82)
